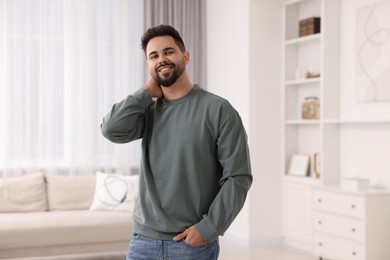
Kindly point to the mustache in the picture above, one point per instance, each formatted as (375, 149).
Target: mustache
(165, 64)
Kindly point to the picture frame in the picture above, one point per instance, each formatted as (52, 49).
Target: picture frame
(317, 165)
(299, 165)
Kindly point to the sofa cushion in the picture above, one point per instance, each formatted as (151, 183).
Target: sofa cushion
(23, 193)
(37, 229)
(115, 192)
(70, 192)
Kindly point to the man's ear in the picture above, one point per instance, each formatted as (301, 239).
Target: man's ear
(186, 57)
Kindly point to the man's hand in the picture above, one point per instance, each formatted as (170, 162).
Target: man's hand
(191, 236)
(152, 88)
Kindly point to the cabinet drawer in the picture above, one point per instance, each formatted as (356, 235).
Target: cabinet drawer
(340, 226)
(337, 248)
(339, 203)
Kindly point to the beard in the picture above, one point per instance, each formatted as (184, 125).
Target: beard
(169, 80)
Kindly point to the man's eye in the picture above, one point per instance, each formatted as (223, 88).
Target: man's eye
(170, 52)
(152, 57)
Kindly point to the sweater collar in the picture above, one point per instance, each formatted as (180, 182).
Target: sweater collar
(183, 99)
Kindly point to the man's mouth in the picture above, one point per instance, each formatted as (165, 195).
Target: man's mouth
(165, 68)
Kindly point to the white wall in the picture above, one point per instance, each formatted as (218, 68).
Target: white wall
(265, 100)
(228, 70)
(227, 52)
(364, 148)
(244, 66)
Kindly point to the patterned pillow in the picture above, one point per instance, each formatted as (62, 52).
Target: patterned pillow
(115, 192)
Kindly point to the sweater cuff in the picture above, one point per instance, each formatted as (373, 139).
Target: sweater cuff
(143, 97)
(207, 230)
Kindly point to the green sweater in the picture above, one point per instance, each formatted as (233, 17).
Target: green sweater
(195, 167)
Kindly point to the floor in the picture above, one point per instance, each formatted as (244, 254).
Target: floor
(234, 251)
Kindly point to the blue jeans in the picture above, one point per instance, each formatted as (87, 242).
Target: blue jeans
(143, 248)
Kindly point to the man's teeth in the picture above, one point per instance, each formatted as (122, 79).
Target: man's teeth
(165, 69)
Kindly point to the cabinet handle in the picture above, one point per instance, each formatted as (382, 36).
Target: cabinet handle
(319, 222)
(319, 200)
(353, 230)
(353, 206)
(319, 244)
(354, 253)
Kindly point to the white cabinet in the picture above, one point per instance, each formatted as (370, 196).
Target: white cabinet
(351, 225)
(297, 226)
(316, 54)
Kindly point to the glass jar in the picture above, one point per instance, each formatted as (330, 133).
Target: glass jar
(311, 108)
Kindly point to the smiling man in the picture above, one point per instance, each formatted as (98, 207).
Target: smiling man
(195, 169)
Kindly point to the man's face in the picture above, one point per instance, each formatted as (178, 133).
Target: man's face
(165, 61)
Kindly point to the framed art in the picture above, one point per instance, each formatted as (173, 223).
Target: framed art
(372, 51)
(317, 165)
(299, 165)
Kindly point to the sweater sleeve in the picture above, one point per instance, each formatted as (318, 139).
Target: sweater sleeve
(125, 122)
(233, 155)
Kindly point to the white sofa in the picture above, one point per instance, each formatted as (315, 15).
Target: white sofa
(47, 215)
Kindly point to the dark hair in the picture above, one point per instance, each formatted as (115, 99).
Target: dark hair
(162, 30)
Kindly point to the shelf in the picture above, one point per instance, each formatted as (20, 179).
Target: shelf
(338, 189)
(303, 39)
(336, 121)
(356, 121)
(296, 82)
(302, 180)
(291, 2)
(301, 122)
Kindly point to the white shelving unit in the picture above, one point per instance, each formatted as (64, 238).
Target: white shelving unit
(350, 143)
(315, 53)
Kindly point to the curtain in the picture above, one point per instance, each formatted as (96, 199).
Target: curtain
(63, 63)
(189, 18)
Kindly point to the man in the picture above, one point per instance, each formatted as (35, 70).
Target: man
(195, 170)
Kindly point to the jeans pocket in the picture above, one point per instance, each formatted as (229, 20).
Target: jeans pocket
(193, 246)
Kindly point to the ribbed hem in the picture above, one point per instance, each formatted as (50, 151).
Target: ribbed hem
(147, 232)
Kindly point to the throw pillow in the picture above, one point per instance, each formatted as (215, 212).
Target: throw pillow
(23, 193)
(115, 192)
(70, 192)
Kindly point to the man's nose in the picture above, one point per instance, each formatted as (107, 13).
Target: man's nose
(162, 59)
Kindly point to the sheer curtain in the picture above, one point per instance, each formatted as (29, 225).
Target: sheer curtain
(63, 63)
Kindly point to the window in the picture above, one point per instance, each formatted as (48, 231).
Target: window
(63, 63)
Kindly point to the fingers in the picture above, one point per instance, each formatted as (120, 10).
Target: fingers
(192, 237)
(152, 88)
(181, 236)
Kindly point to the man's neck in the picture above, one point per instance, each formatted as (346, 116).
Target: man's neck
(179, 89)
